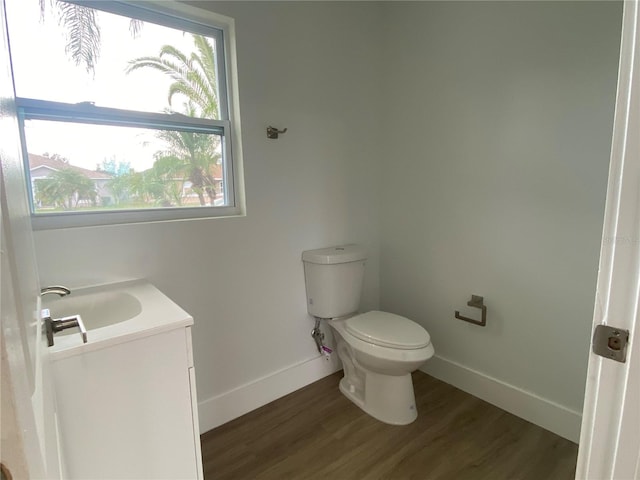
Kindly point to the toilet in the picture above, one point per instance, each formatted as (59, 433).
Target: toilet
(378, 350)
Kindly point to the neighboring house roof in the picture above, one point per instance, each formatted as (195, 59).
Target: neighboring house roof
(39, 162)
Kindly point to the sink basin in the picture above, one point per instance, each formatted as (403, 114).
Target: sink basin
(97, 309)
(113, 313)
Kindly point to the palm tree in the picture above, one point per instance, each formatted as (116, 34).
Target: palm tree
(82, 31)
(65, 188)
(170, 169)
(198, 153)
(194, 75)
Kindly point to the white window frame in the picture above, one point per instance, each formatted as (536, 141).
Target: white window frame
(174, 15)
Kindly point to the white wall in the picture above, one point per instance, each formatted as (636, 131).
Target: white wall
(301, 66)
(495, 183)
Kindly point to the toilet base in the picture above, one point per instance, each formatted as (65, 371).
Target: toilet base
(388, 398)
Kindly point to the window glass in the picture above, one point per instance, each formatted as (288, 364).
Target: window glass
(96, 167)
(137, 65)
(120, 113)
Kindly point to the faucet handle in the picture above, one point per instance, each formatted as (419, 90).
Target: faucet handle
(55, 325)
(59, 324)
(57, 289)
(45, 314)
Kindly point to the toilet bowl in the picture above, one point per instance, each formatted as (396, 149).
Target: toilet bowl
(379, 351)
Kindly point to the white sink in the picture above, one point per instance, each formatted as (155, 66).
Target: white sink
(113, 313)
(97, 309)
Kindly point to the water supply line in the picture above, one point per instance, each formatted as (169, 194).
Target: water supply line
(318, 337)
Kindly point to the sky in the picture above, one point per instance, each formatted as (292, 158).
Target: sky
(43, 70)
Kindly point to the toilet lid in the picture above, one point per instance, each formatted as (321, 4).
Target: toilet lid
(388, 330)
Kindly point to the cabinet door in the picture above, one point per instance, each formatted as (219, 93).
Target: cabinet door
(194, 417)
(126, 411)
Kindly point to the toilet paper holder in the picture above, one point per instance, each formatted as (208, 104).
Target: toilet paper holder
(477, 302)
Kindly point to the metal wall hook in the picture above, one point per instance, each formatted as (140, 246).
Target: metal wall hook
(273, 132)
(476, 302)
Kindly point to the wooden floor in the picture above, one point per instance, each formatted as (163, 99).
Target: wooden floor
(316, 433)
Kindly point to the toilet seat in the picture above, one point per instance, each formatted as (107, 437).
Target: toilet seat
(388, 330)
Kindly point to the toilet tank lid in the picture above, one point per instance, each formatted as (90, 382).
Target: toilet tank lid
(333, 255)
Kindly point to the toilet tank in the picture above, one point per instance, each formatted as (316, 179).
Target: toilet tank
(333, 278)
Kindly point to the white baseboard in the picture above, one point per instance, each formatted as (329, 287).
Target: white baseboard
(227, 406)
(540, 411)
(545, 413)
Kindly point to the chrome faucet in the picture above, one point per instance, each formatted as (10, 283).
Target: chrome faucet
(57, 289)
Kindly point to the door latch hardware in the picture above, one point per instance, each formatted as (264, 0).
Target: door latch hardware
(610, 342)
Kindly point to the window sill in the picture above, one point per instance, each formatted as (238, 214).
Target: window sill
(52, 221)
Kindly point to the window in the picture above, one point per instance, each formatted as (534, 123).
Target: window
(124, 113)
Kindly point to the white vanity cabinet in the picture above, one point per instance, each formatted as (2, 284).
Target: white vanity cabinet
(128, 411)
(126, 404)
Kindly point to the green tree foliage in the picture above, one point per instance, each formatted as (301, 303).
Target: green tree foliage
(120, 184)
(146, 186)
(120, 187)
(65, 188)
(115, 167)
(194, 78)
(194, 75)
(197, 152)
(82, 31)
(170, 170)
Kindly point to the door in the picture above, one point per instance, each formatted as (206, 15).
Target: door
(610, 436)
(26, 358)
